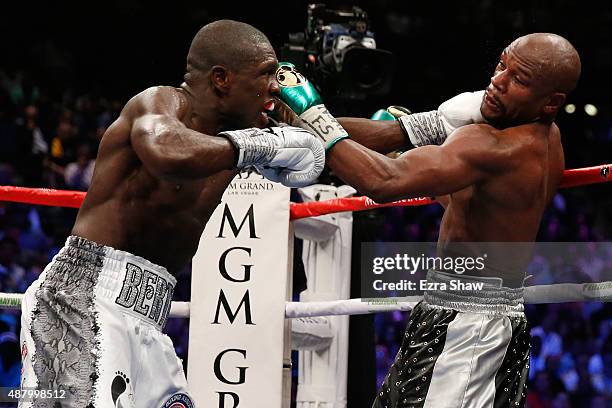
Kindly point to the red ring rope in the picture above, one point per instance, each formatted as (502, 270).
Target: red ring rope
(65, 198)
(42, 196)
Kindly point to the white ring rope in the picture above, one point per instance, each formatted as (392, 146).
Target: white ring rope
(349, 307)
(555, 293)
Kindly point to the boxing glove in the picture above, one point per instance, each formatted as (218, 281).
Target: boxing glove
(288, 155)
(301, 96)
(433, 127)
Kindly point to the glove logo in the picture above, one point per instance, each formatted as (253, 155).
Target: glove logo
(179, 400)
(288, 77)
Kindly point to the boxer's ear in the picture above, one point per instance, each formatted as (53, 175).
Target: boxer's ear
(220, 79)
(555, 103)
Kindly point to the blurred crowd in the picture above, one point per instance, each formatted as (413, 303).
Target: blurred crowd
(52, 142)
(48, 142)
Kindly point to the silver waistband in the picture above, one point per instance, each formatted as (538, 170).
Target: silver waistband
(484, 295)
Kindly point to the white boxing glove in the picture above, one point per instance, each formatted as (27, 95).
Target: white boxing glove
(433, 127)
(288, 155)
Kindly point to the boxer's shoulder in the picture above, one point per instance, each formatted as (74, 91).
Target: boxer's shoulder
(485, 147)
(489, 136)
(158, 100)
(480, 133)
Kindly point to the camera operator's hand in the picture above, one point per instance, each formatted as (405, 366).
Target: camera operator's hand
(303, 99)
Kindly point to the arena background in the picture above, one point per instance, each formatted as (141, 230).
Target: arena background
(78, 62)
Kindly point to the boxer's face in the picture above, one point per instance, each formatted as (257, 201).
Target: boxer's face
(518, 91)
(253, 90)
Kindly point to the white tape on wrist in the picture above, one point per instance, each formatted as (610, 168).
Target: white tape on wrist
(319, 121)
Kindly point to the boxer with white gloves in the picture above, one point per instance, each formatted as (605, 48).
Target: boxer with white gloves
(288, 155)
(466, 347)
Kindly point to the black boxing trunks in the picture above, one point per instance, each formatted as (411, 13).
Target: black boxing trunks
(461, 348)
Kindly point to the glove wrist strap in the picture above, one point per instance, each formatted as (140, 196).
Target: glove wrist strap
(319, 121)
(254, 146)
(424, 128)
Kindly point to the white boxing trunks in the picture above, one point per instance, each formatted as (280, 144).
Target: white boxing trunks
(91, 333)
(462, 348)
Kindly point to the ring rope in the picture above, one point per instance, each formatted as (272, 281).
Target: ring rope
(42, 196)
(534, 294)
(554, 293)
(571, 178)
(74, 199)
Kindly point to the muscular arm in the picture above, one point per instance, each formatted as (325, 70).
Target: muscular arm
(470, 155)
(166, 147)
(382, 136)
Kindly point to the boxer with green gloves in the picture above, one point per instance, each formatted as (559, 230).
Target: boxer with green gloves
(303, 99)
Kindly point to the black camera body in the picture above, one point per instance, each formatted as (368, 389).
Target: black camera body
(338, 51)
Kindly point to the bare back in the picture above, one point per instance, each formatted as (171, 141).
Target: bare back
(131, 209)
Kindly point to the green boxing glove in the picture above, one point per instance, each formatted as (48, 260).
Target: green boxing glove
(301, 96)
(391, 113)
(382, 114)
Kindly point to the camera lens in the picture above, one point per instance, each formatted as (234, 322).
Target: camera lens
(367, 74)
(368, 69)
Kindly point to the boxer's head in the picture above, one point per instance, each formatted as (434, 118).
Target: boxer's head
(532, 80)
(233, 63)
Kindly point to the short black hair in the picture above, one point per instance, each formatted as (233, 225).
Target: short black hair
(228, 43)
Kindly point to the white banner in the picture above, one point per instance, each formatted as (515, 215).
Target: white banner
(323, 374)
(238, 294)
